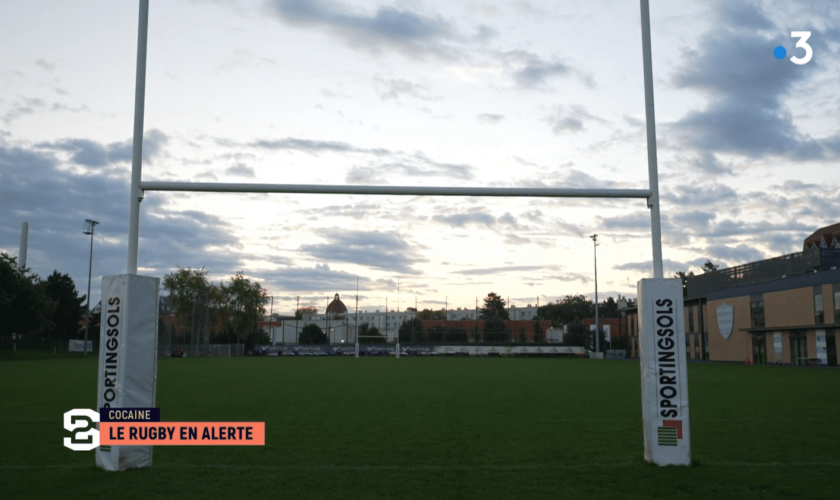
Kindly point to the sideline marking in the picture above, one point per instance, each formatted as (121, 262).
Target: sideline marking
(430, 467)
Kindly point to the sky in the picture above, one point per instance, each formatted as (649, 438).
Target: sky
(430, 93)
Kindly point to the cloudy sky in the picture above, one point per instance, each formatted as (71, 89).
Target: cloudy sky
(432, 93)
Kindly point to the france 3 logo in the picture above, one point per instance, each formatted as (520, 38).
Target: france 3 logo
(780, 52)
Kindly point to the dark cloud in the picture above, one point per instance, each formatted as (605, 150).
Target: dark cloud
(93, 154)
(692, 221)
(745, 15)
(241, 170)
(531, 71)
(315, 279)
(29, 106)
(44, 65)
(781, 243)
(574, 178)
(670, 267)
(501, 270)
(418, 165)
(490, 118)
(631, 221)
(704, 162)
(462, 220)
(745, 85)
(570, 119)
(715, 196)
(374, 249)
(308, 146)
(741, 254)
(394, 88)
(382, 163)
(23, 107)
(388, 28)
(729, 227)
(35, 188)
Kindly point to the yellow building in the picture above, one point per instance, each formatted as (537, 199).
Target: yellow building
(781, 310)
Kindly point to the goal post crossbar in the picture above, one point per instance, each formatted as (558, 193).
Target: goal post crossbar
(138, 186)
(221, 187)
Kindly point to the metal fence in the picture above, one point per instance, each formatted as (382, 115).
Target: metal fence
(212, 350)
(57, 346)
(785, 266)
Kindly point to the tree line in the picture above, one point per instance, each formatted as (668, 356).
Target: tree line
(32, 307)
(228, 312)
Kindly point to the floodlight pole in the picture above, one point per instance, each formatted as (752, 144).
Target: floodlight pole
(89, 227)
(136, 194)
(24, 244)
(653, 175)
(597, 332)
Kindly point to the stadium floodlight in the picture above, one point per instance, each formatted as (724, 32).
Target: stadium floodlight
(88, 229)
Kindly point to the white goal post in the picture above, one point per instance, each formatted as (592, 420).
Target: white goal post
(660, 301)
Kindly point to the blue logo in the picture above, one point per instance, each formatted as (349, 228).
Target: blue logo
(780, 52)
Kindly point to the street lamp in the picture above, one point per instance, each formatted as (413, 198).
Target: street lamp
(88, 229)
(597, 337)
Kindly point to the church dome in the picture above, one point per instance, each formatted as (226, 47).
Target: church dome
(336, 306)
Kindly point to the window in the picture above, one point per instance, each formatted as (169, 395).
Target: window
(819, 315)
(691, 318)
(836, 306)
(757, 312)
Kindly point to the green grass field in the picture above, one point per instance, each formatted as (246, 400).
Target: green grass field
(433, 428)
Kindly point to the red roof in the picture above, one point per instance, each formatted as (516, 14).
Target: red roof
(817, 236)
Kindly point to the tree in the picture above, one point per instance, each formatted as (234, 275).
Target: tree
(495, 330)
(428, 314)
(371, 331)
(522, 338)
(437, 334)
(187, 289)
(494, 307)
(25, 308)
(61, 290)
(708, 267)
(312, 334)
(457, 334)
(305, 310)
(447, 334)
(608, 308)
(244, 304)
(538, 332)
(565, 311)
(411, 332)
(575, 333)
(684, 278)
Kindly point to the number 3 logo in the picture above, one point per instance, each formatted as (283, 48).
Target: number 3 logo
(802, 44)
(82, 423)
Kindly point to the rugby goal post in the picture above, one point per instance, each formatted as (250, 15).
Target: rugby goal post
(660, 301)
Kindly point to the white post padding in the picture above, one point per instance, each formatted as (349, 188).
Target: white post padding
(127, 358)
(667, 432)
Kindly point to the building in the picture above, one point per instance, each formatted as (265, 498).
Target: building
(780, 310)
(826, 237)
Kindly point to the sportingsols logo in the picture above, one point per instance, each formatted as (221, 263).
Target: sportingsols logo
(670, 432)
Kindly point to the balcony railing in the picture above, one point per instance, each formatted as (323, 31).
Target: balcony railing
(785, 266)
